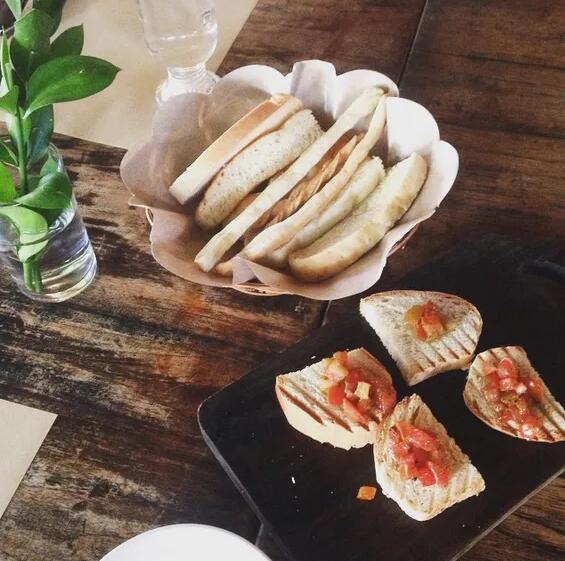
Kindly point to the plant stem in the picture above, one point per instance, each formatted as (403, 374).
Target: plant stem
(22, 152)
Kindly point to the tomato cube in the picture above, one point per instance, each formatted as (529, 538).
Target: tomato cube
(336, 395)
(426, 476)
(440, 473)
(366, 493)
(535, 388)
(341, 357)
(351, 411)
(507, 368)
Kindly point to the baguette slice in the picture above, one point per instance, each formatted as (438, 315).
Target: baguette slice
(416, 359)
(266, 117)
(367, 177)
(364, 228)
(214, 250)
(254, 164)
(279, 234)
(416, 500)
(549, 409)
(307, 409)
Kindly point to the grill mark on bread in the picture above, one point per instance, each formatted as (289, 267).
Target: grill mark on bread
(318, 404)
(301, 405)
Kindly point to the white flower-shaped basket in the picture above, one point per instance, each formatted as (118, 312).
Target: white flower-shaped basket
(187, 124)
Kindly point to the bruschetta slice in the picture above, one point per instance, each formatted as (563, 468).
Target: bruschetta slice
(504, 390)
(419, 465)
(339, 400)
(425, 332)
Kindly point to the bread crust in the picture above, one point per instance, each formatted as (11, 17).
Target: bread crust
(550, 410)
(266, 117)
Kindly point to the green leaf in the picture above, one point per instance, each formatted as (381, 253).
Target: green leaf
(9, 101)
(15, 7)
(41, 133)
(68, 78)
(50, 166)
(5, 61)
(52, 191)
(53, 8)
(7, 155)
(70, 42)
(7, 187)
(30, 44)
(31, 227)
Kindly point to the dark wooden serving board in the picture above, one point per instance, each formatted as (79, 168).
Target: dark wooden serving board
(305, 491)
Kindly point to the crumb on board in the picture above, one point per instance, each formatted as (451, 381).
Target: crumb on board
(293, 480)
(366, 493)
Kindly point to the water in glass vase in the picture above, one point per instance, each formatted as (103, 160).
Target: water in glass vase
(64, 268)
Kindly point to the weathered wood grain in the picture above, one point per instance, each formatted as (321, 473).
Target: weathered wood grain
(125, 366)
(355, 34)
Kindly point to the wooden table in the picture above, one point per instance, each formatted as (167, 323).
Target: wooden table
(126, 364)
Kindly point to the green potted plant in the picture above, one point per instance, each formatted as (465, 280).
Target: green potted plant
(43, 241)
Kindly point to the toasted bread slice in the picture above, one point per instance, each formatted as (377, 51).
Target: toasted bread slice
(418, 501)
(306, 406)
(416, 359)
(254, 164)
(548, 409)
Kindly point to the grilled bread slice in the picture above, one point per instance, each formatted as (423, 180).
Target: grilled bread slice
(306, 406)
(417, 359)
(418, 501)
(266, 117)
(548, 409)
(254, 164)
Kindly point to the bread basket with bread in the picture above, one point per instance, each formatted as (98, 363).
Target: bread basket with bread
(301, 184)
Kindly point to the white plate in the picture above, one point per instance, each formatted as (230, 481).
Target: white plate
(186, 542)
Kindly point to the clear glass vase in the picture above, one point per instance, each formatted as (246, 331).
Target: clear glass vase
(65, 266)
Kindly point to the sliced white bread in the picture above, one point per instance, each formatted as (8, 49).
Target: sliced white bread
(417, 359)
(266, 117)
(416, 500)
(369, 174)
(548, 409)
(316, 178)
(254, 164)
(279, 234)
(306, 406)
(364, 228)
(214, 250)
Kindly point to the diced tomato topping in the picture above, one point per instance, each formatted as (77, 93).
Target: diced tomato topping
(508, 384)
(366, 493)
(492, 379)
(352, 379)
(421, 332)
(425, 321)
(426, 476)
(441, 475)
(507, 368)
(385, 395)
(418, 454)
(350, 409)
(341, 357)
(417, 437)
(535, 388)
(365, 405)
(336, 395)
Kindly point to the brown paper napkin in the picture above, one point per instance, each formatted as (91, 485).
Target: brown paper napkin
(22, 430)
(122, 114)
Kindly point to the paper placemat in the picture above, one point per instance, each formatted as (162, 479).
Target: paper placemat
(22, 430)
(122, 114)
